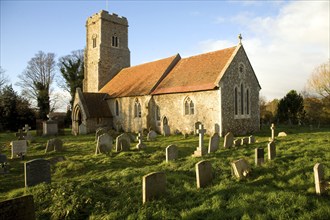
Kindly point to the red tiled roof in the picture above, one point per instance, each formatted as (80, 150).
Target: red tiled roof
(196, 73)
(140, 79)
(97, 105)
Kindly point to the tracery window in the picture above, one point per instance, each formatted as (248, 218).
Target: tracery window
(247, 101)
(137, 109)
(157, 113)
(189, 107)
(242, 99)
(236, 101)
(115, 42)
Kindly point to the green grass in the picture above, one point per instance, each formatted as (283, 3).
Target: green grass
(110, 186)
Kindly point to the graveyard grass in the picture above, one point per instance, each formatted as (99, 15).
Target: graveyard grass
(85, 185)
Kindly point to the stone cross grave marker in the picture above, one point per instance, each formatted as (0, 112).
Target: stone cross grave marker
(123, 142)
(18, 208)
(203, 173)
(18, 148)
(140, 145)
(54, 144)
(37, 171)
(153, 186)
(272, 128)
(241, 168)
(259, 156)
(200, 151)
(271, 150)
(26, 128)
(252, 139)
(320, 183)
(104, 144)
(228, 141)
(214, 143)
(171, 153)
(152, 135)
(20, 134)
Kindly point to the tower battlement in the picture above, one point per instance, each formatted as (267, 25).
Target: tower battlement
(109, 17)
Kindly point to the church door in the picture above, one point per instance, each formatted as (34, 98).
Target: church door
(77, 120)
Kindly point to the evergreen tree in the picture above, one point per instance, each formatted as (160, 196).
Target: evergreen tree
(291, 108)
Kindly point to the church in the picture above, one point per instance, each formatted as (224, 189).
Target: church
(172, 95)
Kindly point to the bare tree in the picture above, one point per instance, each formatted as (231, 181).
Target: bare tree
(36, 80)
(319, 81)
(3, 77)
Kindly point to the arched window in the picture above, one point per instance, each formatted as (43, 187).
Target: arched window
(157, 113)
(137, 109)
(247, 102)
(189, 107)
(236, 102)
(114, 41)
(242, 99)
(117, 108)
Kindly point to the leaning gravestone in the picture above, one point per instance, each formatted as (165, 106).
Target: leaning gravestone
(259, 156)
(241, 168)
(203, 173)
(37, 171)
(104, 144)
(252, 139)
(152, 135)
(171, 153)
(54, 144)
(123, 142)
(18, 208)
(214, 143)
(228, 142)
(18, 148)
(153, 185)
(271, 150)
(320, 183)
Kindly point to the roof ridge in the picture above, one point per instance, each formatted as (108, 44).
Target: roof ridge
(210, 52)
(154, 61)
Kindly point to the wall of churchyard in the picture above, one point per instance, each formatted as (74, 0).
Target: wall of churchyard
(171, 106)
(239, 123)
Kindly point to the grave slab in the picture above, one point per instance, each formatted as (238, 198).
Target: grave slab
(153, 186)
(18, 148)
(37, 171)
(241, 168)
(20, 208)
(171, 153)
(214, 143)
(203, 173)
(228, 141)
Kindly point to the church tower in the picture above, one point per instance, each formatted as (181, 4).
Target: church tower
(106, 51)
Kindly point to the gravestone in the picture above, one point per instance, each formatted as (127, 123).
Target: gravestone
(203, 173)
(271, 150)
(28, 135)
(252, 139)
(200, 151)
(37, 171)
(237, 142)
(20, 208)
(3, 164)
(20, 135)
(99, 132)
(272, 128)
(320, 183)
(214, 143)
(282, 134)
(245, 141)
(123, 142)
(18, 148)
(241, 168)
(228, 141)
(104, 144)
(50, 127)
(54, 144)
(171, 152)
(140, 145)
(259, 156)
(153, 186)
(152, 135)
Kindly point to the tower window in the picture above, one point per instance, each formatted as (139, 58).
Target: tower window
(114, 41)
(189, 107)
(94, 40)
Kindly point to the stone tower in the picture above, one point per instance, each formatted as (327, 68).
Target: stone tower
(106, 50)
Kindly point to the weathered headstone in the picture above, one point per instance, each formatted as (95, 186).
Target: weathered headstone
(203, 173)
(241, 168)
(123, 142)
(18, 208)
(282, 134)
(152, 135)
(171, 152)
(18, 148)
(237, 142)
(20, 134)
(214, 143)
(200, 151)
(252, 139)
(104, 144)
(272, 128)
(140, 145)
(259, 156)
(153, 185)
(271, 150)
(99, 132)
(320, 183)
(228, 141)
(50, 127)
(245, 141)
(37, 171)
(54, 144)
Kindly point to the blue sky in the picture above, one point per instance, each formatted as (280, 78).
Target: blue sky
(285, 40)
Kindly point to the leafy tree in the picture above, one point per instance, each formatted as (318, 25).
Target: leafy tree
(319, 81)
(14, 110)
(3, 77)
(291, 108)
(36, 80)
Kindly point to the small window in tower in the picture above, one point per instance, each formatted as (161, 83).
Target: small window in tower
(114, 41)
(94, 40)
